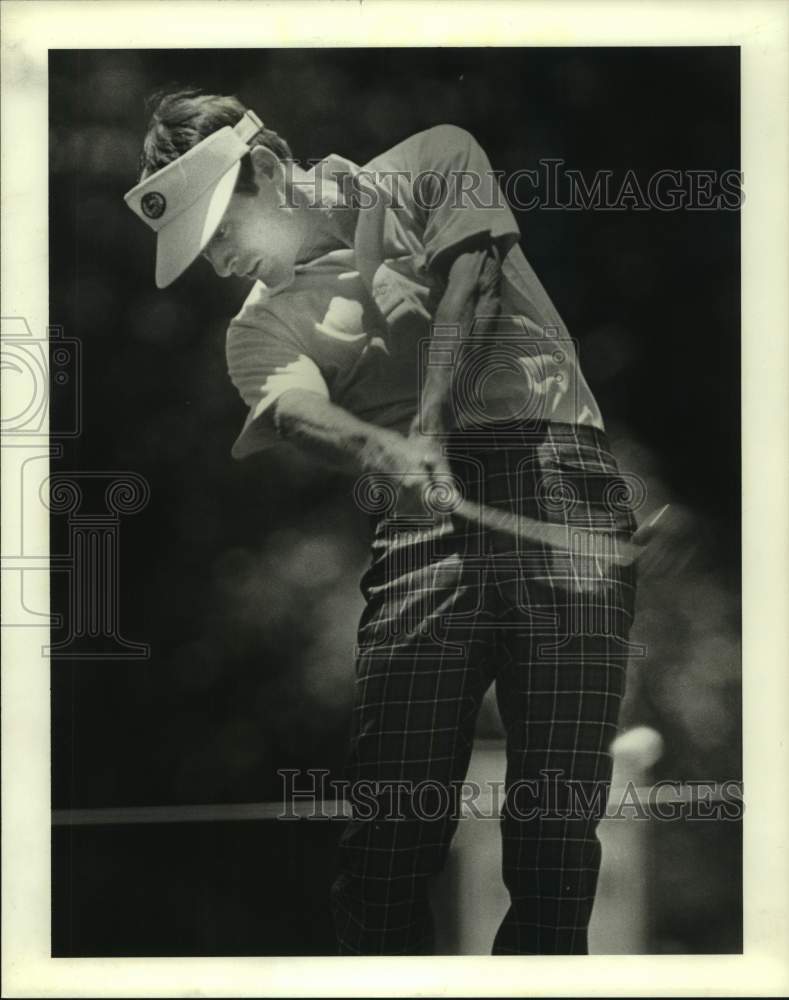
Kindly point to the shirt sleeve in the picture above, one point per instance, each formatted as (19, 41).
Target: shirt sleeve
(264, 359)
(458, 194)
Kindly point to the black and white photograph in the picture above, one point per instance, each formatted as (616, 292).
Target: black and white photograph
(386, 431)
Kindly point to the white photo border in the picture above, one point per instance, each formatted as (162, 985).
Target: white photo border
(761, 30)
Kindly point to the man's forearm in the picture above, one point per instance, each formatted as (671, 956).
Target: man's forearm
(339, 439)
(455, 311)
(369, 236)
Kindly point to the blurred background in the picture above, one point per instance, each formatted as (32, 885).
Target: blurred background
(243, 577)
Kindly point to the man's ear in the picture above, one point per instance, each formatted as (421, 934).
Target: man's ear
(269, 169)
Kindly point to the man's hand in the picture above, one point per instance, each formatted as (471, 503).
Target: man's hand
(415, 468)
(409, 465)
(399, 298)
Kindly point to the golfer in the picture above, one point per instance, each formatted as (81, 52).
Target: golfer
(395, 328)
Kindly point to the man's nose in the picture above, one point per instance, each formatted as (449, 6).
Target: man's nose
(221, 259)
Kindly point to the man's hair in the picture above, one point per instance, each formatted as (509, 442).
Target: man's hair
(180, 119)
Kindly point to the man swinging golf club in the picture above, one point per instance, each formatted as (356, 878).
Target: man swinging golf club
(394, 327)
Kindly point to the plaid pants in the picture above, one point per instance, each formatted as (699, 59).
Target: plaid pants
(451, 608)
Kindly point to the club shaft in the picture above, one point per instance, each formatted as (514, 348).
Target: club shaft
(569, 537)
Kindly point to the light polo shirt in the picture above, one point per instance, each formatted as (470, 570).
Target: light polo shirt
(323, 333)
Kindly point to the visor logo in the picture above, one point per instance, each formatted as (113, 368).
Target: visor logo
(153, 204)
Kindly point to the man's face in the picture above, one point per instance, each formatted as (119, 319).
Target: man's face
(260, 235)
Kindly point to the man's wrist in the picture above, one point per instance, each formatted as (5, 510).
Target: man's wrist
(434, 403)
(431, 420)
(335, 435)
(375, 447)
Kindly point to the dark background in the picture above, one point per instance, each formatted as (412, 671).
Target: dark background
(243, 577)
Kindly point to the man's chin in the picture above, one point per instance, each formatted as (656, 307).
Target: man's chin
(276, 280)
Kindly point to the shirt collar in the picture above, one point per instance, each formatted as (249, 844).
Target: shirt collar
(330, 179)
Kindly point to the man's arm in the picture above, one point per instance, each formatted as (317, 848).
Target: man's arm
(472, 290)
(340, 439)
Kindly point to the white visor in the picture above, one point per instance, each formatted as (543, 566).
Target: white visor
(184, 202)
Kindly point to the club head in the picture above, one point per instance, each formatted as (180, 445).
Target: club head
(666, 544)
